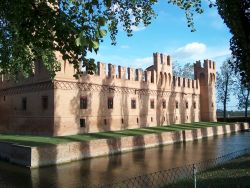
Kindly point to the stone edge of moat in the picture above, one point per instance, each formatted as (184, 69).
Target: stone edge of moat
(39, 156)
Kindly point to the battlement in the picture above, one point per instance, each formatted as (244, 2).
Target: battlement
(161, 80)
(158, 74)
(160, 58)
(207, 72)
(208, 65)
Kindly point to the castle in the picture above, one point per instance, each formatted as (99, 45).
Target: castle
(116, 99)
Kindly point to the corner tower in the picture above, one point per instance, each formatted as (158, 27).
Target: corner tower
(206, 76)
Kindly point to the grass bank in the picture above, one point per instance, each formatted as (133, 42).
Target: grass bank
(45, 140)
(234, 174)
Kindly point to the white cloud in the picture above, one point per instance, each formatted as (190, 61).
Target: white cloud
(190, 50)
(143, 62)
(194, 51)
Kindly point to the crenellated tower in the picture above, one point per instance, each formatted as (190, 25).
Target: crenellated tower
(163, 69)
(206, 76)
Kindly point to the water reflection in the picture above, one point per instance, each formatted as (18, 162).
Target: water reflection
(107, 169)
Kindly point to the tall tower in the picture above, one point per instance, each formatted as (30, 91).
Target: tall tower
(163, 68)
(206, 76)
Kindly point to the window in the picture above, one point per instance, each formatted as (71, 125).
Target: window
(176, 105)
(151, 119)
(83, 103)
(110, 103)
(24, 103)
(187, 105)
(152, 104)
(45, 102)
(133, 104)
(82, 122)
(105, 122)
(194, 105)
(4, 98)
(137, 120)
(164, 104)
(122, 121)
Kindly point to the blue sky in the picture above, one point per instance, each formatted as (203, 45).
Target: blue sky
(170, 35)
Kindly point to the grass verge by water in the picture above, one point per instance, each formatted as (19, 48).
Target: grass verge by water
(29, 140)
(234, 174)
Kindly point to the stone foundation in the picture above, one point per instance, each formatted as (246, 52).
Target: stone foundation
(62, 153)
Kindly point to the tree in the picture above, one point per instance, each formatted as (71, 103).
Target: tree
(186, 71)
(236, 15)
(242, 91)
(32, 30)
(224, 84)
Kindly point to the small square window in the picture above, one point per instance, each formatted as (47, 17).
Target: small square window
(176, 105)
(45, 102)
(83, 103)
(82, 123)
(110, 103)
(133, 104)
(152, 104)
(24, 103)
(164, 104)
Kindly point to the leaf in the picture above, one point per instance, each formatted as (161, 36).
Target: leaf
(108, 3)
(102, 21)
(81, 41)
(103, 32)
(94, 44)
(78, 41)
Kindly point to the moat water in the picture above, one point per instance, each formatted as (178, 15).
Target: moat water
(117, 167)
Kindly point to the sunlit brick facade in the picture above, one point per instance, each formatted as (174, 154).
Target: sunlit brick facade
(115, 98)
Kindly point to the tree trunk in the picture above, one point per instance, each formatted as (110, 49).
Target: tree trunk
(246, 103)
(225, 99)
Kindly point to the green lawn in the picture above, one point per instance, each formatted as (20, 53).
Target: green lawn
(44, 140)
(234, 174)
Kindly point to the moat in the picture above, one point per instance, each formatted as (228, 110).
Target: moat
(106, 169)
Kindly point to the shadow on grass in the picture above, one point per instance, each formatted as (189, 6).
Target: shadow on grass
(46, 140)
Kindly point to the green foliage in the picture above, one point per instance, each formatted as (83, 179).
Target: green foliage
(32, 30)
(190, 7)
(236, 15)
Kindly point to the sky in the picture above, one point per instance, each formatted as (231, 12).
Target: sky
(169, 34)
